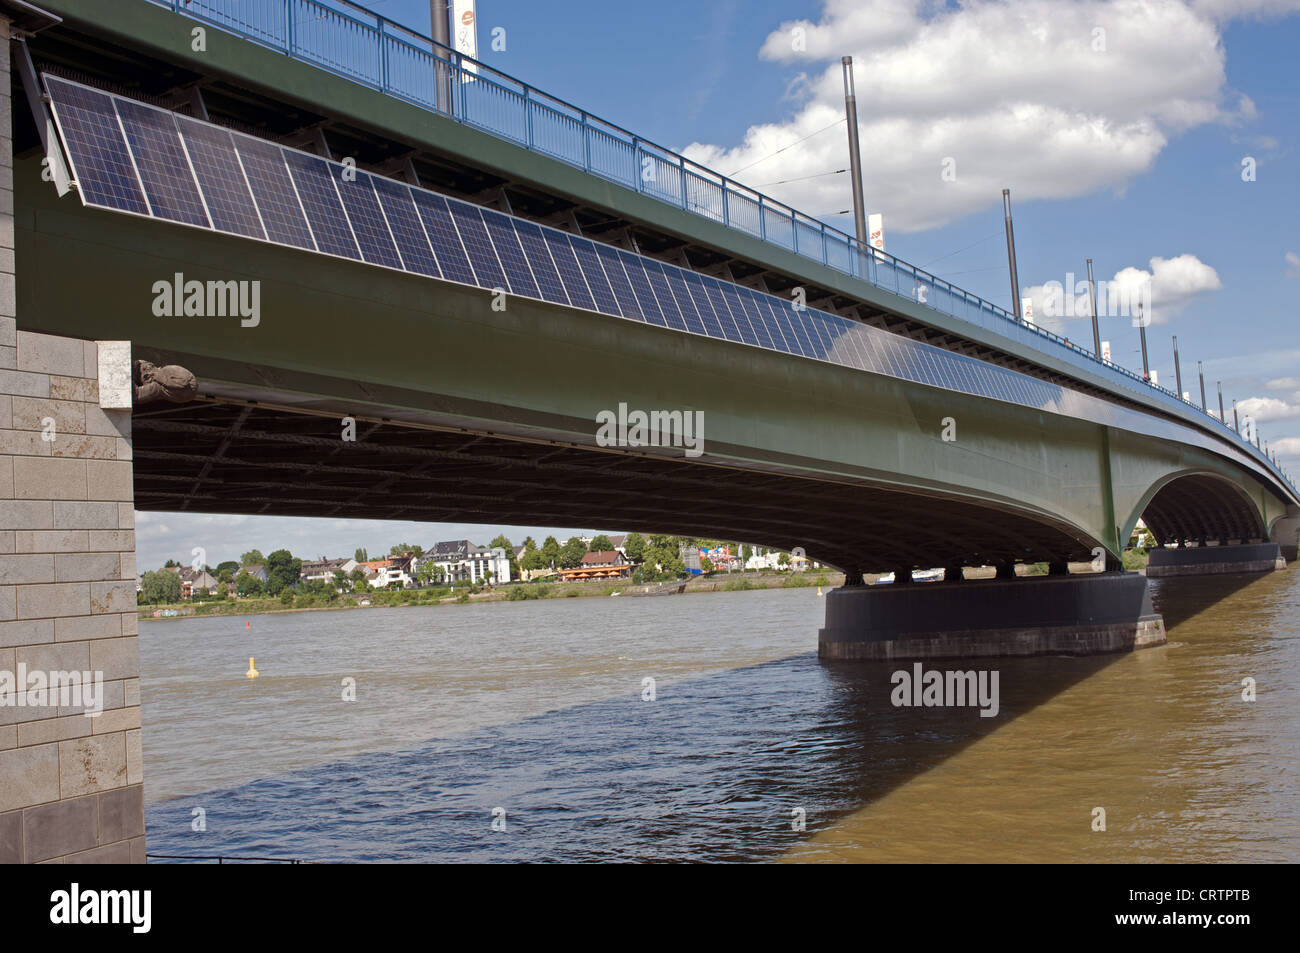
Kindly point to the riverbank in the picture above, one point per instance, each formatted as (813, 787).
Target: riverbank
(517, 592)
(716, 582)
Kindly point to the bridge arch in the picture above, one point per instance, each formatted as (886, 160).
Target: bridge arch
(1198, 506)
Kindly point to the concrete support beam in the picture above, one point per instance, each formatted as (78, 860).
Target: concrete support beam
(1089, 614)
(1214, 560)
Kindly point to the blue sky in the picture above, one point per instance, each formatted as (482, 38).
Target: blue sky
(1125, 153)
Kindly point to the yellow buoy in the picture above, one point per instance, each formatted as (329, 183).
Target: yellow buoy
(819, 590)
(252, 672)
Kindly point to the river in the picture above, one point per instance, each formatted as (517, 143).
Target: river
(529, 731)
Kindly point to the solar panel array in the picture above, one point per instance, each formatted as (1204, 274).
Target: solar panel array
(132, 157)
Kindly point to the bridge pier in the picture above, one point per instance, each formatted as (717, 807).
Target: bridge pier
(1213, 560)
(1086, 614)
(71, 786)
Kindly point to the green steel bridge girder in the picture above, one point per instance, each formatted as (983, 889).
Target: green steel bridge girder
(359, 339)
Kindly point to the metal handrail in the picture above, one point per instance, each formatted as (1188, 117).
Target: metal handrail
(366, 47)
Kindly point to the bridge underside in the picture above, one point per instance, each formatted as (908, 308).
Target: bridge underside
(220, 456)
(1202, 509)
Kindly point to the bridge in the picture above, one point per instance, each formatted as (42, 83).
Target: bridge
(341, 228)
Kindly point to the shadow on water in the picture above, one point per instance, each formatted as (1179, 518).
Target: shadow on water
(711, 770)
(714, 769)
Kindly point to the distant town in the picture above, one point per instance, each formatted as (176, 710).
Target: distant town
(633, 558)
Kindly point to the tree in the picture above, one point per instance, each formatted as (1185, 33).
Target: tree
(160, 586)
(550, 552)
(401, 549)
(634, 547)
(253, 557)
(571, 555)
(282, 571)
(427, 571)
(783, 559)
(358, 578)
(602, 544)
(706, 564)
(529, 543)
(226, 575)
(229, 566)
(223, 591)
(360, 556)
(171, 564)
(340, 580)
(246, 584)
(745, 552)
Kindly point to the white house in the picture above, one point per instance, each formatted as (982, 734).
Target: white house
(460, 561)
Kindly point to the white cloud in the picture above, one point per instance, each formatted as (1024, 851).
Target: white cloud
(1017, 93)
(1293, 265)
(1286, 447)
(1164, 290)
(1268, 408)
(1283, 383)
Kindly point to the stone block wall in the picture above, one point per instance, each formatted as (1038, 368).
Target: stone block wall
(70, 786)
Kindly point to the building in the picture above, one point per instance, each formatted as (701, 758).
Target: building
(610, 564)
(194, 581)
(397, 572)
(324, 569)
(257, 572)
(458, 560)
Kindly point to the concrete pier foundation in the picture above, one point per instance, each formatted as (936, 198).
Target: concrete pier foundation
(1088, 614)
(1213, 560)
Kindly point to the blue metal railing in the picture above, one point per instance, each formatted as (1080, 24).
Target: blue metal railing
(356, 43)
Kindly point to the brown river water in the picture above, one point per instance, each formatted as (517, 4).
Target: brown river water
(750, 749)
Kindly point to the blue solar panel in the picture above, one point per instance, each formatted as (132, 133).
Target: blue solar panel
(575, 285)
(769, 335)
(474, 238)
(730, 328)
(744, 323)
(196, 172)
(368, 223)
(685, 303)
(320, 200)
(519, 276)
(443, 237)
(273, 191)
(100, 161)
(404, 223)
(645, 296)
(788, 320)
(664, 295)
(161, 161)
(548, 279)
(221, 178)
(618, 281)
(589, 263)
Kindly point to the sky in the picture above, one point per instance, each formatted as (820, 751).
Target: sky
(1159, 138)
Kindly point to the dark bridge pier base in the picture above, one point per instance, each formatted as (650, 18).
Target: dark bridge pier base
(1212, 560)
(1090, 614)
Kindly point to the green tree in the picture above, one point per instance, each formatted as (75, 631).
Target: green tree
(223, 591)
(572, 553)
(358, 579)
(427, 571)
(550, 552)
(634, 547)
(401, 549)
(253, 557)
(226, 575)
(229, 566)
(529, 543)
(171, 563)
(601, 544)
(340, 580)
(282, 571)
(783, 559)
(160, 586)
(360, 556)
(246, 584)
